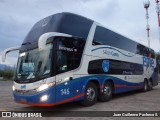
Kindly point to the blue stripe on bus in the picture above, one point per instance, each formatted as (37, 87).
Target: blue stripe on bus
(76, 87)
(127, 86)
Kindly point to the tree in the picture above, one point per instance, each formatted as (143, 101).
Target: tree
(7, 73)
(158, 60)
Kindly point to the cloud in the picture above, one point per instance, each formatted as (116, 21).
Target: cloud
(123, 16)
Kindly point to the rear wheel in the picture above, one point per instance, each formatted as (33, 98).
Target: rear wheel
(150, 86)
(90, 95)
(145, 86)
(106, 95)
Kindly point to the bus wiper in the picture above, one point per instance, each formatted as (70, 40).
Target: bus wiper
(31, 75)
(23, 74)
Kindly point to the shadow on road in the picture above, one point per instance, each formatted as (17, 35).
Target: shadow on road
(62, 107)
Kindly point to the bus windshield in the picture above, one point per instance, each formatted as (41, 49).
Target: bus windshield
(62, 55)
(34, 63)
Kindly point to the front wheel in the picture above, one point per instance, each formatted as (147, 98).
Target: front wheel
(90, 95)
(106, 95)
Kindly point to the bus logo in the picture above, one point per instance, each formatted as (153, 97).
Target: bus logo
(105, 65)
(23, 86)
(148, 62)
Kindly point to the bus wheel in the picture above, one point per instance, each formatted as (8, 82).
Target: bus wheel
(90, 95)
(150, 86)
(145, 86)
(107, 92)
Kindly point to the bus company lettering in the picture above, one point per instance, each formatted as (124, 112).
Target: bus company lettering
(23, 86)
(114, 54)
(148, 62)
(110, 53)
(42, 23)
(67, 49)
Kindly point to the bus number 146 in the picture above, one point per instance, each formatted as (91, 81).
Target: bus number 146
(65, 91)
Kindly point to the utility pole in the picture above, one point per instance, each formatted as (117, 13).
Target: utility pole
(158, 14)
(146, 6)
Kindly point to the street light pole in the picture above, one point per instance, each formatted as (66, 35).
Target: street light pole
(146, 6)
(158, 14)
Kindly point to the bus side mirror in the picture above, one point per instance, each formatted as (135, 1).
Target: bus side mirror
(44, 37)
(7, 51)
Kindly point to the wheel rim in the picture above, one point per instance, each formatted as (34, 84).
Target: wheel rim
(90, 94)
(150, 84)
(145, 85)
(107, 91)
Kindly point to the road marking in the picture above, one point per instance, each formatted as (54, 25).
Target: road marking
(3, 109)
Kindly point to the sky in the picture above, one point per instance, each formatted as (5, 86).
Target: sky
(127, 17)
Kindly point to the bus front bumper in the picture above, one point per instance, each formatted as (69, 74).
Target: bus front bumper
(43, 98)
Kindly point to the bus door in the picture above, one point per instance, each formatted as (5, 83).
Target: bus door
(63, 67)
(68, 57)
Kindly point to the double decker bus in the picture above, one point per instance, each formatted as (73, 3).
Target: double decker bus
(66, 57)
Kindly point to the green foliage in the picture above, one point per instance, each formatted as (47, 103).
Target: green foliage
(8, 73)
(158, 60)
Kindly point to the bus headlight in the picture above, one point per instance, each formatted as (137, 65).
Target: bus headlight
(45, 86)
(44, 98)
(13, 88)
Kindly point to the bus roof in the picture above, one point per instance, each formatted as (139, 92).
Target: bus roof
(64, 22)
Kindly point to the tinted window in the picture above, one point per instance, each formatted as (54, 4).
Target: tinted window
(152, 54)
(68, 23)
(69, 53)
(115, 67)
(75, 25)
(104, 36)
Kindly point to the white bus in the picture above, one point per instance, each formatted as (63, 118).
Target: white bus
(66, 57)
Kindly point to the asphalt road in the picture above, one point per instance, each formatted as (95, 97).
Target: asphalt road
(131, 101)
